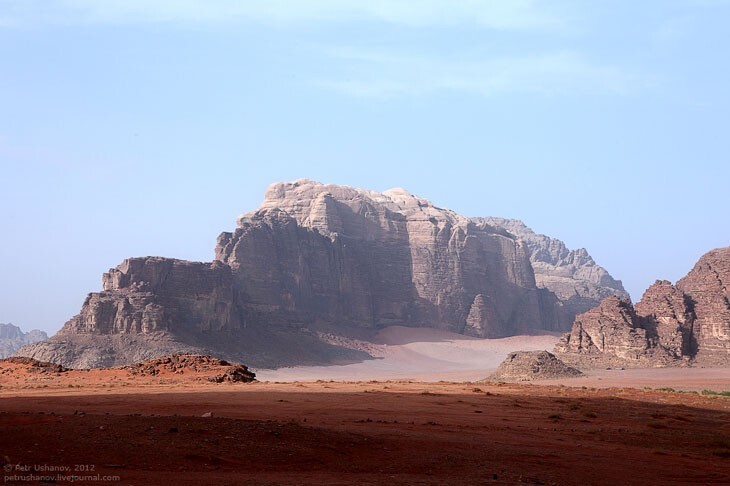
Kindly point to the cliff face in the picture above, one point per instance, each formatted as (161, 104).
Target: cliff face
(13, 338)
(313, 259)
(571, 275)
(670, 325)
(147, 295)
(337, 254)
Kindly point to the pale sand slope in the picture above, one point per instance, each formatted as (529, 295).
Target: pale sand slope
(420, 354)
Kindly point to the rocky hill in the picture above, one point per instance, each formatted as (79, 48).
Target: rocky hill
(314, 260)
(532, 365)
(672, 324)
(12, 338)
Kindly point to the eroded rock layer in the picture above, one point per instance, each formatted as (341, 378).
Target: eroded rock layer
(672, 324)
(314, 258)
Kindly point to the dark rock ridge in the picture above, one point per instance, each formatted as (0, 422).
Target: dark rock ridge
(672, 324)
(12, 338)
(532, 365)
(314, 259)
(571, 275)
(35, 366)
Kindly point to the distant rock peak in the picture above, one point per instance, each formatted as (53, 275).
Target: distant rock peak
(572, 275)
(12, 338)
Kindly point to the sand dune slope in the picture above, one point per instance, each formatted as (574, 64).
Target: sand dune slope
(420, 354)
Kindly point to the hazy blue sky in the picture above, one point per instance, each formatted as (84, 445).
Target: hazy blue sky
(141, 127)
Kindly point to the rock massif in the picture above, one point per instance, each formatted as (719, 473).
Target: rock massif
(672, 324)
(12, 338)
(314, 259)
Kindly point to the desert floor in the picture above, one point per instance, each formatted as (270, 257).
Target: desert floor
(375, 425)
(361, 433)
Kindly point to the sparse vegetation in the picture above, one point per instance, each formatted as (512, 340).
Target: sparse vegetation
(716, 393)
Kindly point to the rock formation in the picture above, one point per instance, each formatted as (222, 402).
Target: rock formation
(532, 365)
(571, 275)
(183, 367)
(314, 259)
(12, 338)
(672, 324)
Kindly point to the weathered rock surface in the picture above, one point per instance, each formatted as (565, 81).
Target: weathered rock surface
(12, 338)
(572, 275)
(314, 259)
(532, 365)
(672, 324)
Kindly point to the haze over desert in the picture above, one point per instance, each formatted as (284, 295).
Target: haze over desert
(356, 242)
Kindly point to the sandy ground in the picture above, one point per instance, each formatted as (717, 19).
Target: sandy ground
(685, 379)
(420, 354)
(430, 355)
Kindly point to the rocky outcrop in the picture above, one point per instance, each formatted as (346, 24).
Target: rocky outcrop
(12, 338)
(672, 324)
(218, 370)
(313, 260)
(708, 288)
(572, 275)
(532, 365)
(668, 317)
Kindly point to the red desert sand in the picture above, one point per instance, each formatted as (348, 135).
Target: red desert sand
(176, 427)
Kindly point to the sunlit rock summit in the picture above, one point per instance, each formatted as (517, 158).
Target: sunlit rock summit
(318, 260)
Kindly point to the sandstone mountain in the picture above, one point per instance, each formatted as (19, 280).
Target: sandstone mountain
(315, 261)
(571, 275)
(672, 324)
(12, 338)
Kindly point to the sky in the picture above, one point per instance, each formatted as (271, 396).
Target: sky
(144, 127)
